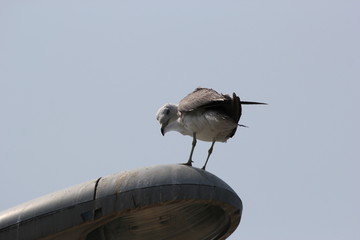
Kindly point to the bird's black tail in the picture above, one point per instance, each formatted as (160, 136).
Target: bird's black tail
(252, 103)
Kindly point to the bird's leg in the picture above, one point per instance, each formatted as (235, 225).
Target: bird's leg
(209, 153)
(189, 162)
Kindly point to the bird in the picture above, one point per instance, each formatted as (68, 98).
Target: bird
(205, 115)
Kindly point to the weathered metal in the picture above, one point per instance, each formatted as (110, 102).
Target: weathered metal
(160, 202)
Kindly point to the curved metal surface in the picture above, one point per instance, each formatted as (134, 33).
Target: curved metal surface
(48, 204)
(160, 202)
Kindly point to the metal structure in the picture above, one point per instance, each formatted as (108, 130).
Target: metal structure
(160, 202)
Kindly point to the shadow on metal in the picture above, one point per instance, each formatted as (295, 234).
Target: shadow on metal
(160, 202)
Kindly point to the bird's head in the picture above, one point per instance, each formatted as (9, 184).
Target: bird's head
(165, 114)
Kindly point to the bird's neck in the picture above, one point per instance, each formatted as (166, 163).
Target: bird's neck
(175, 124)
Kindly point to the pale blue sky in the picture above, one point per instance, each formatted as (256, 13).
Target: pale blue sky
(81, 81)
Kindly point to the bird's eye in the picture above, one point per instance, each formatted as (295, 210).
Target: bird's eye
(167, 111)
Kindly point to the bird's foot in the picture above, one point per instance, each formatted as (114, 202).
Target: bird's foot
(188, 163)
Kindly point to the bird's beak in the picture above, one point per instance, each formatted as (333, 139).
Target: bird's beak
(163, 126)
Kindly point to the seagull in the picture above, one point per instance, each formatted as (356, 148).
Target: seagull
(204, 115)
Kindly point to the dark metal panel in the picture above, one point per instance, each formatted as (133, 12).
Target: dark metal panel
(47, 214)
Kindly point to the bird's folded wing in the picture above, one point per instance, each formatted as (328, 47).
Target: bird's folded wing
(202, 98)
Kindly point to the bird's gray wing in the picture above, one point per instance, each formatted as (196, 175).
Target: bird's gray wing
(202, 98)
